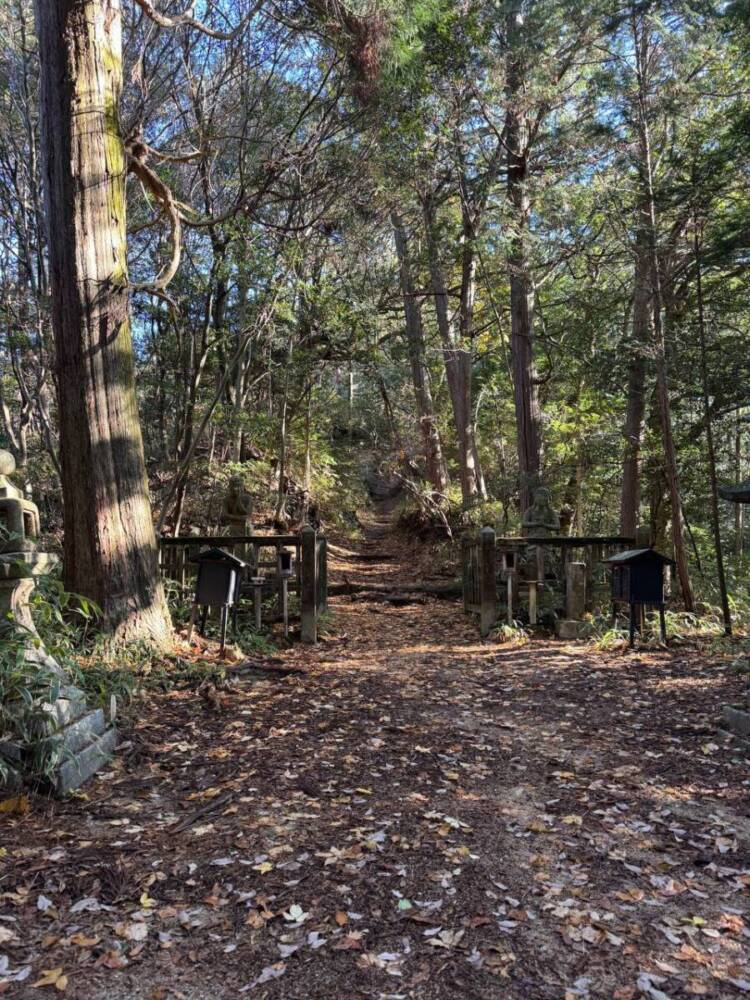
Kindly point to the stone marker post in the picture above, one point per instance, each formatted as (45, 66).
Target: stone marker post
(575, 590)
(512, 595)
(575, 600)
(77, 740)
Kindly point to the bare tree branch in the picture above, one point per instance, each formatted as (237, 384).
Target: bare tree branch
(187, 20)
(136, 153)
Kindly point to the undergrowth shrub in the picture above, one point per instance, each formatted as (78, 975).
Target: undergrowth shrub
(26, 689)
(29, 686)
(515, 634)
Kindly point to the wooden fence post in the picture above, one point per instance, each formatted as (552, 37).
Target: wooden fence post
(322, 574)
(487, 580)
(465, 571)
(308, 589)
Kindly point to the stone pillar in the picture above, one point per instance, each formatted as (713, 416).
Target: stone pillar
(512, 595)
(575, 600)
(533, 602)
(575, 590)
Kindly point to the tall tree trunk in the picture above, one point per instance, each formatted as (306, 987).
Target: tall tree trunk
(308, 441)
(420, 376)
(630, 491)
(161, 397)
(715, 522)
(109, 543)
(243, 366)
(739, 525)
(457, 360)
(525, 388)
(642, 47)
(283, 450)
(466, 312)
(351, 389)
(653, 474)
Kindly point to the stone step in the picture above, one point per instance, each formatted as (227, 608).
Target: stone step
(71, 705)
(78, 768)
(569, 628)
(83, 731)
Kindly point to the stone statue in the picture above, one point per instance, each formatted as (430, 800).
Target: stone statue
(539, 521)
(237, 508)
(540, 518)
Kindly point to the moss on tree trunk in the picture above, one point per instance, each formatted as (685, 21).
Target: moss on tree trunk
(109, 547)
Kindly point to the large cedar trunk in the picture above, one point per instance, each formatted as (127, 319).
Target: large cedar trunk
(525, 388)
(630, 491)
(109, 544)
(433, 452)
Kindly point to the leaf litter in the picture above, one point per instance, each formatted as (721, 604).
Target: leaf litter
(408, 812)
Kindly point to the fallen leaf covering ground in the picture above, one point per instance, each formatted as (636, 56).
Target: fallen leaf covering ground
(413, 813)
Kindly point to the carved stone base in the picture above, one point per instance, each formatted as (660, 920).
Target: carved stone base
(569, 628)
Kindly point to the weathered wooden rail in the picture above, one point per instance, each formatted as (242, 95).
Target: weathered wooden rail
(489, 563)
(309, 566)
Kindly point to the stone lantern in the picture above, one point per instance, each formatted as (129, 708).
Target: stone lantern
(80, 739)
(19, 518)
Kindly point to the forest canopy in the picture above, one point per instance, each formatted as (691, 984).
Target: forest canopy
(489, 245)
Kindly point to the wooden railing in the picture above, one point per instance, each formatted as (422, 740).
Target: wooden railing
(488, 562)
(309, 565)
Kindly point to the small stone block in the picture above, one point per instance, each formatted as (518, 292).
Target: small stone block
(568, 628)
(65, 710)
(575, 590)
(83, 731)
(738, 720)
(76, 770)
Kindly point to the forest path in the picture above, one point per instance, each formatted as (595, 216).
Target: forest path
(387, 559)
(409, 812)
(377, 557)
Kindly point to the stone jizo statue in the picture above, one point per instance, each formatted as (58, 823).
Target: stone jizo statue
(237, 509)
(540, 518)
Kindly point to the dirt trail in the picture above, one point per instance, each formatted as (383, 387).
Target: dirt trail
(417, 813)
(377, 558)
